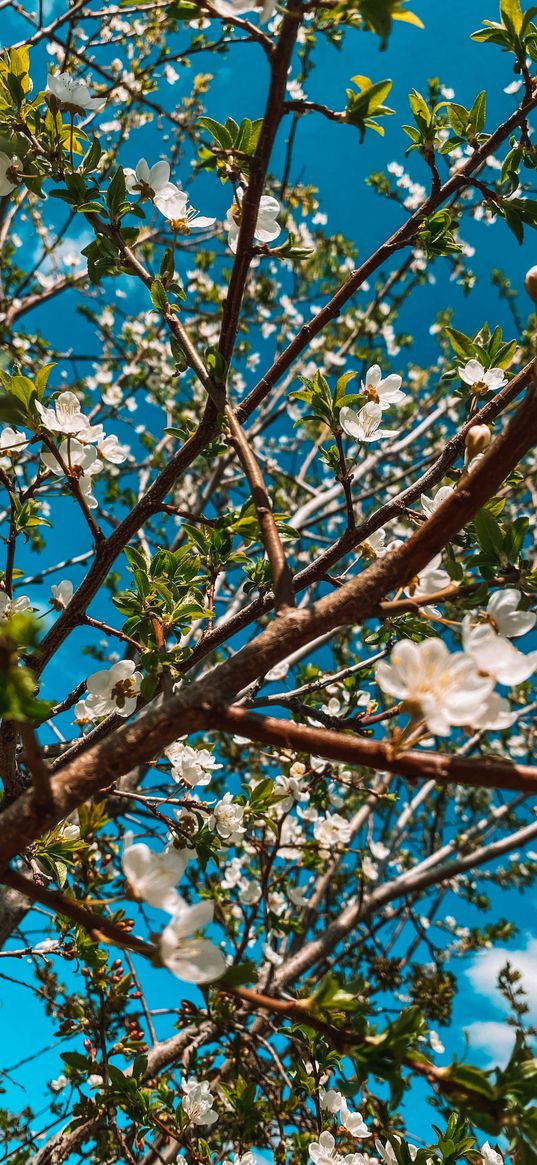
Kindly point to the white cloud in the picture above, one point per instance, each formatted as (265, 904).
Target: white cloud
(494, 1038)
(483, 973)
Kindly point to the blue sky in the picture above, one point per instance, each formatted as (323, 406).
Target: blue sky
(444, 50)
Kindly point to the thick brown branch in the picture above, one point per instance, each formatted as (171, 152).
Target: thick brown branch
(422, 765)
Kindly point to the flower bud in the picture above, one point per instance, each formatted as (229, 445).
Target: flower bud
(530, 283)
(478, 438)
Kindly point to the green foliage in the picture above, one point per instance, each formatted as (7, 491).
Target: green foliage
(516, 32)
(364, 107)
(18, 687)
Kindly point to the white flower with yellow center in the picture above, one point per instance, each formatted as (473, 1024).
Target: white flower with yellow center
(147, 181)
(173, 204)
(444, 690)
(267, 229)
(364, 425)
(473, 373)
(113, 689)
(72, 95)
(383, 392)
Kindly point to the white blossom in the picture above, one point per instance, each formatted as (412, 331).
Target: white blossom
(147, 181)
(494, 655)
(62, 594)
(490, 1156)
(383, 392)
(10, 606)
(65, 416)
(173, 204)
(81, 459)
(198, 1102)
(12, 441)
(436, 1042)
(195, 960)
(72, 94)
(323, 1151)
(264, 9)
(111, 450)
(432, 578)
(429, 505)
(58, 1084)
(331, 831)
(151, 876)
(227, 818)
(331, 1100)
(353, 1122)
(113, 689)
(441, 688)
(266, 228)
(364, 425)
(504, 615)
(9, 171)
(194, 766)
(474, 374)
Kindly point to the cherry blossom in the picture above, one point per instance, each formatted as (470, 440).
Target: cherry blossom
(432, 578)
(383, 392)
(196, 960)
(494, 655)
(474, 374)
(227, 819)
(62, 594)
(323, 1151)
(441, 688)
(73, 95)
(491, 1156)
(65, 416)
(194, 766)
(113, 689)
(198, 1102)
(504, 615)
(387, 1154)
(148, 181)
(364, 425)
(10, 606)
(430, 504)
(58, 1084)
(111, 450)
(331, 1100)
(331, 831)
(151, 876)
(477, 440)
(81, 459)
(173, 204)
(9, 173)
(353, 1122)
(266, 228)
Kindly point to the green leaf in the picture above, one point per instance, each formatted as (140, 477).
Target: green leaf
(489, 534)
(116, 192)
(511, 14)
(218, 132)
(159, 299)
(239, 976)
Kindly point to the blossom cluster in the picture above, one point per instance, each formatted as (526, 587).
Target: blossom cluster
(152, 877)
